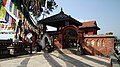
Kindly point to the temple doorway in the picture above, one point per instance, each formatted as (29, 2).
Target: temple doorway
(70, 38)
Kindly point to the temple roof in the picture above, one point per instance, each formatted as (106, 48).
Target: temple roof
(89, 24)
(59, 20)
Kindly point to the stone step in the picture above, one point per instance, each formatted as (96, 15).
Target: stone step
(69, 51)
(66, 51)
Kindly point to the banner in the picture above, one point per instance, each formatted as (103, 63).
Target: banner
(7, 5)
(7, 17)
(2, 13)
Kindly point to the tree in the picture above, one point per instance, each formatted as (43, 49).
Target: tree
(36, 6)
(109, 33)
(1, 3)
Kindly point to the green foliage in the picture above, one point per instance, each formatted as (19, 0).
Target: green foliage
(117, 41)
(34, 6)
(51, 5)
(109, 33)
(1, 3)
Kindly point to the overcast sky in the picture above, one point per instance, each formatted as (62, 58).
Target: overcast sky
(105, 12)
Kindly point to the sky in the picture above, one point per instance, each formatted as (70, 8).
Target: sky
(105, 12)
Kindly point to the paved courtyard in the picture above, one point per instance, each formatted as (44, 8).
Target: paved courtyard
(54, 60)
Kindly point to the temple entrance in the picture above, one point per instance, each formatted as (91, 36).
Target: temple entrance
(70, 38)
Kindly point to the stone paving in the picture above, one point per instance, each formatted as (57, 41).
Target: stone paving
(55, 60)
(115, 61)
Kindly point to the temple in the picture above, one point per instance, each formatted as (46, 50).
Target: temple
(71, 33)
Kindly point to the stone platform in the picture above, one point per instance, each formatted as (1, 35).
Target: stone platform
(55, 60)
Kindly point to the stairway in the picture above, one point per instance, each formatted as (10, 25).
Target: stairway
(69, 51)
(66, 51)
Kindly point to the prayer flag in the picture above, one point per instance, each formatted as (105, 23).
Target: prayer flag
(15, 10)
(10, 20)
(13, 22)
(10, 6)
(13, 6)
(2, 25)
(5, 1)
(2, 13)
(7, 17)
(7, 6)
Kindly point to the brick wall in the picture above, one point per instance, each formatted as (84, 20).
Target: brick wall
(99, 44)
(89, 31)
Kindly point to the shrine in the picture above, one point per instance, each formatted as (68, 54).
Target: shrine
(72, 33)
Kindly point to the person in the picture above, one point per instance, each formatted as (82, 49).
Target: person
(39, 47)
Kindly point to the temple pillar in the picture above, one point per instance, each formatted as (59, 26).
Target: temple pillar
(57, 28)
(44, 28)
